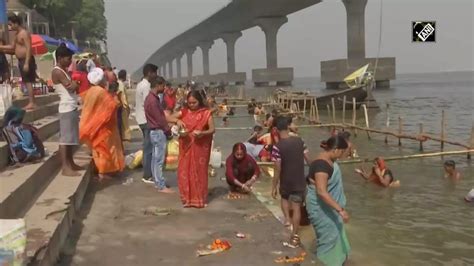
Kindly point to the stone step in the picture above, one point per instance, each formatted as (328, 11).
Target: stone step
(47, 127)
(41, 100)
(41, 112)
(21, 185)
(49, 220)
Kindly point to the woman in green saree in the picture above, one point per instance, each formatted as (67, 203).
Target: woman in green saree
(325, 202)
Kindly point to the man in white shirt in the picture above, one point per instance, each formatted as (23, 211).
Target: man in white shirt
(150, 72)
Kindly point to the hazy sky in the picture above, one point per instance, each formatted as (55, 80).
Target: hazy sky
(137, 28)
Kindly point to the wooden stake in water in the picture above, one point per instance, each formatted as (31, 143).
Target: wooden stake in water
(387, 120)
(400, 130)
(354, 113)
(304, 107)
(329, 110)
(421, 133)
(316, 109)
(443, 124)
(366, 115)
(344, 110)
(333, 110)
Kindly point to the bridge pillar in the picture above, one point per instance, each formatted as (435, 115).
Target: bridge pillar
(282, 76)
(333, 72)
(178, 65)
(170, 69)
(165, 70)
(355, 11)
(230, 38)
(205, 47)
(189, 59)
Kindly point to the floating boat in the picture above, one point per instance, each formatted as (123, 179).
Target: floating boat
(358, 83)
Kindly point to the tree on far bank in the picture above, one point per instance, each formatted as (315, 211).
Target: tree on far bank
(87, 15)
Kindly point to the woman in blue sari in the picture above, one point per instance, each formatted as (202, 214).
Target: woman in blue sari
(325, 203)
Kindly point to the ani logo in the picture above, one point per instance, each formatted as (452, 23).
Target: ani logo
(423, 31)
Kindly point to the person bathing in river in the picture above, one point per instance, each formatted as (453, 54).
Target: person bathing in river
(380, 175)
(450, 170)
(241, 170)
(350, 151)
(258, 111)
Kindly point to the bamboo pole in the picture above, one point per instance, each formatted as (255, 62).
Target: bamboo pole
(333, 110)
(421, 133)
(392, 158)
(400, 130)
(329, 111)
(443, 124)
(387, 121)
(354, 113)
(366, 116)
(424, 137)
(344, 110)
(411, 156)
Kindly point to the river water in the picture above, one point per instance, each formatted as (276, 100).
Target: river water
(425, 221)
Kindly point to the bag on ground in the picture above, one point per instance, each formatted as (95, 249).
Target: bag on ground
(134, 160)
(172, 153)
(24, 143)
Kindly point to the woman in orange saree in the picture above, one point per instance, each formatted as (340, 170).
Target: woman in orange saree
(98, 126)
(194, 151)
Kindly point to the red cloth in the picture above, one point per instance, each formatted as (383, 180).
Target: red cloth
(170, 98)
(81, 79)
(274, 135)
(381, 163)
(194, 156)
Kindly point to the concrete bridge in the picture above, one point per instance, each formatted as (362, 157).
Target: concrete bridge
(229, 22)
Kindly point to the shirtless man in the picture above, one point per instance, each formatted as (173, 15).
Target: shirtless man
(21, 47)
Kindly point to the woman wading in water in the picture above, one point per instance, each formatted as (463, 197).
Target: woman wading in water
(380, 175)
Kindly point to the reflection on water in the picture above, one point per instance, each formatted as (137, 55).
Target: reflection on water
(425, 221)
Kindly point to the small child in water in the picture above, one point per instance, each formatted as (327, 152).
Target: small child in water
(450, 170)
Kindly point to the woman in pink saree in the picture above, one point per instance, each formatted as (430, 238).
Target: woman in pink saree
(194, 151)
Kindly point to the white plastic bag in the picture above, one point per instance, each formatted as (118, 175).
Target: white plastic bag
(5, 98)
(12, 242)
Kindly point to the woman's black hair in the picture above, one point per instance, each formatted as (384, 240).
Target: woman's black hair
(334, 142)
(198, 95)
(450, 163)
(257, 128)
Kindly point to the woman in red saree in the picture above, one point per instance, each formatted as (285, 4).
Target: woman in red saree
(194, 151)
(98, 126)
